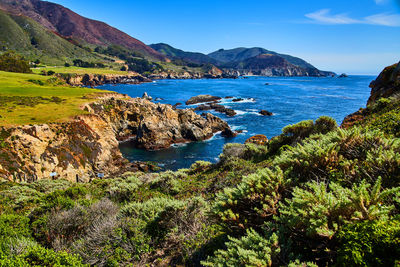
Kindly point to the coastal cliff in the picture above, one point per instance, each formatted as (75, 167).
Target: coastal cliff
(100, 79)
(386, 85)
(89, 144)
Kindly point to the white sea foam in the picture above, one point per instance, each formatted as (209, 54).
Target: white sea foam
(240, 112)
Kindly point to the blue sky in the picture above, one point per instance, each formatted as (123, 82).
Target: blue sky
(356, 37)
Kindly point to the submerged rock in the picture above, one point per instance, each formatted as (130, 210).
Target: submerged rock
(228, 133)
(221, 109)
(266, 113)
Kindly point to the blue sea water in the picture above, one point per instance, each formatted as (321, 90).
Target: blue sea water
(291, 99)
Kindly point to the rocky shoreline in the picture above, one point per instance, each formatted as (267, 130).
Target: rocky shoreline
(93, 80)
(88, 145)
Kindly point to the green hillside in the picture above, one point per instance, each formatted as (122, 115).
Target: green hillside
(33, 41)
(174, 53)
(241, 54)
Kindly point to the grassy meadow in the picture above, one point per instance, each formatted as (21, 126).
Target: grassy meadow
(77, 70)
(32, 99)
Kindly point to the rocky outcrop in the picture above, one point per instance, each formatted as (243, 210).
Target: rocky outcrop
(100, 79)
(202, 99)
(218, 108)
(228, 133)
(79, 148)
(155, 126)
(212, 73)
(89, 144)
(266, 113)
(386, 85)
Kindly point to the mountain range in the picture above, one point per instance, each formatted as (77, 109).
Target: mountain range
(55, 34)
(245, 61)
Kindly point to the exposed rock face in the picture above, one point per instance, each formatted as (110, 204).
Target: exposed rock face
(155, 126)
(88, 144)
(386, 85)
(202, 99)
(83, 147)
(271, 65)
(213, 73)
(100, 79)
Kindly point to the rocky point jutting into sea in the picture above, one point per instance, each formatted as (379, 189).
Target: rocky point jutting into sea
(88, 144)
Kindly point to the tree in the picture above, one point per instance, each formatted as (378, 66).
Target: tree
(12, 62)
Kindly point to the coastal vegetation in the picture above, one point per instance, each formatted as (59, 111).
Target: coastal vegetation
(314, 195)
(318, 194)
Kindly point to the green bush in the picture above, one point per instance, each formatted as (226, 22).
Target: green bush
(252, 249)
(314, 215)
(370, 243)
(14, 226)
(293, 134)
(254, 201)
(344, 155)
(12, 62)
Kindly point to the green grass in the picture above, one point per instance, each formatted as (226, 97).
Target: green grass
(24, 101)
(78, 70)
(179, 69)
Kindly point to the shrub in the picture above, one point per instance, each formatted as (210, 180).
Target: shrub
(247, 151)
(123, 189)
(254, 201)
(64, 227)
(38, 82)
(293, 134)
(14, 226)
(168, 182)
(39, 256)
(252, 249)
(370, 243)
(12, 62)
(347, 156)
(315, 214)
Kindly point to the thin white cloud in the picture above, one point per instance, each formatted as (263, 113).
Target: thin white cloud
(384, 19)
(324, 16)
(380, 2)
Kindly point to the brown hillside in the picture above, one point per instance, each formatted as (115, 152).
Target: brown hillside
(70, 24)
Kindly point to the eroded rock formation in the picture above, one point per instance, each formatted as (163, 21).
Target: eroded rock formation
(386, 85)
(88, 144)
(155, 126)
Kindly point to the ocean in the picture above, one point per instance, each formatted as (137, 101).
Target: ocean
(290, 99)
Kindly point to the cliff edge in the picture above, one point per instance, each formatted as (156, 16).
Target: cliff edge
(89, 144)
